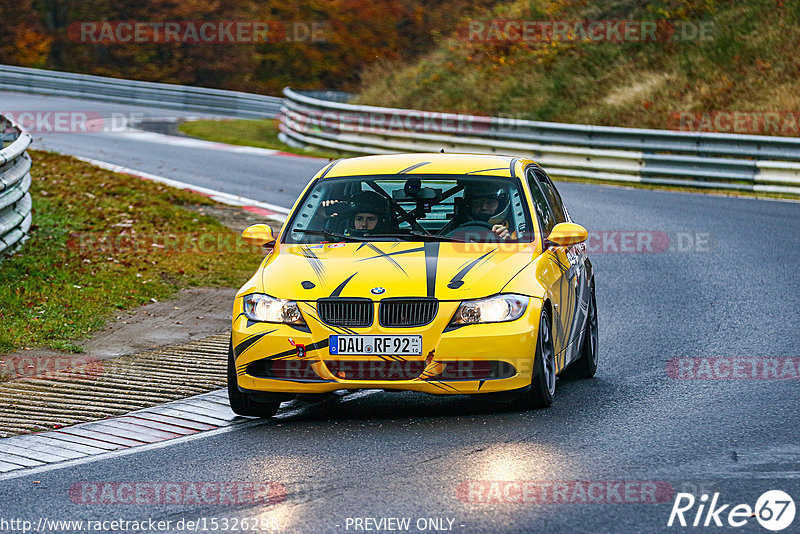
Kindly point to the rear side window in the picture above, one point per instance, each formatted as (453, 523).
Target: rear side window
(546, 218)
(552, 197)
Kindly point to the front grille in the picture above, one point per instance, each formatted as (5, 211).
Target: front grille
(345, 312)
(407, 312)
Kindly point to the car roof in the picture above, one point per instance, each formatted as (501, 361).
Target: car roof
(423, 163)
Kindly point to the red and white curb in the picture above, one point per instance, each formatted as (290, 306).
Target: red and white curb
(266, 209)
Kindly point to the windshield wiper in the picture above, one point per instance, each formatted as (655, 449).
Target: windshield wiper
(371, 237)
(326, 233)
(428, 237)
(436, 237)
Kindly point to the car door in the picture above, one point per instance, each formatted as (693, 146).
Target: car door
(578, 280)
(561, 293)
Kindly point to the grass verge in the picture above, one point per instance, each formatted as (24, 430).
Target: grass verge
(258, 133)
(746, 62)
(101, 242)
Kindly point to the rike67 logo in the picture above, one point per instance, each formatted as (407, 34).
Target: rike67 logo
(774, 511)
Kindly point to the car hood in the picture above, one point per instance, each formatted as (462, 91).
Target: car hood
(377, 270)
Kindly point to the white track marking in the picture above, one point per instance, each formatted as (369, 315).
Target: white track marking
(277, 212)
(53, 462)
(190, 142)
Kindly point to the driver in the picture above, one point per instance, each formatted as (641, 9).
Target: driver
(486, 203)
(364, 214)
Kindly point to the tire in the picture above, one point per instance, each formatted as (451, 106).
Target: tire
(586, 364)
(240, 402)
(543, 377)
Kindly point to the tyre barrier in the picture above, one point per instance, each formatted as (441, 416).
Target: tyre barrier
(15, 184)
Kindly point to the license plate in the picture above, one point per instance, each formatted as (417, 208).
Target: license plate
(382, 345)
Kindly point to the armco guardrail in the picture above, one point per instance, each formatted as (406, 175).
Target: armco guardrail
(690, 159)
(15, 183)
(183, 97)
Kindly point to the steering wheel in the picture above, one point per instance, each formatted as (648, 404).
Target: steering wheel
(474, 224)
(475, 231)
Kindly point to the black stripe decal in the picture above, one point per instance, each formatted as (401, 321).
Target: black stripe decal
(293, 350)
(382, 254)
(340, 287)
(396, 253)
(431, 382)
(415, 166)
(239, 349)
(431, 261)
(458, 279)
(314, 261)
(441, 385)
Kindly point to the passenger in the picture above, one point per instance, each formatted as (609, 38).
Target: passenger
(366, 213)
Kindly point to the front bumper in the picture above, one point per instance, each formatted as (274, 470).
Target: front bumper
(453, 360)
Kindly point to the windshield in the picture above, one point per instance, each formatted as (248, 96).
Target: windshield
(455, 208)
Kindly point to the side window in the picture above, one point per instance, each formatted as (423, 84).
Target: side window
(543, 212)
(552, 197)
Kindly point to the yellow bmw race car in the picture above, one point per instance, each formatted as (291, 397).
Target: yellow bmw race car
(440, 273)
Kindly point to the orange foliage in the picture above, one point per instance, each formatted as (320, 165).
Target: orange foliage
(354, 34)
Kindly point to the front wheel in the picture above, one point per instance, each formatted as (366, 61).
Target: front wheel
(240, 402)
(543, 378)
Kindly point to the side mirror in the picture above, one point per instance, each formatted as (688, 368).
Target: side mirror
(567, 234)
(259, 235)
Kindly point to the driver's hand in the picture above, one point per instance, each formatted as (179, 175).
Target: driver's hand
(326, 203)
(501, 231)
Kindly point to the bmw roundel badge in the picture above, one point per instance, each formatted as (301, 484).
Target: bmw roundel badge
(378, 291)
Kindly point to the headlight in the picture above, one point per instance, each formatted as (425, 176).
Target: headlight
(268, 309)
(495, 309)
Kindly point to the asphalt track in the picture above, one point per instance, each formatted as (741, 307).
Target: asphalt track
(728, 286)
